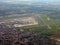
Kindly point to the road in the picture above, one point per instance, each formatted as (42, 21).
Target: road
(49, 27)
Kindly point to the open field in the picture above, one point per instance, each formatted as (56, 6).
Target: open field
(20, 22)
(53, 24)
(26, 22)
(43, 20)
(45, 23)
(38, 23)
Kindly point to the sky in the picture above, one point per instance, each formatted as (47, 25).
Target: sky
(48, 1)
(32, 0)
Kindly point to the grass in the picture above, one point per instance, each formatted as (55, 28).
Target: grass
(39, 27)
(52, 22)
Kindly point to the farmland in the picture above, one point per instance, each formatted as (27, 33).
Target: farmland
(30, 21)
(44, 21)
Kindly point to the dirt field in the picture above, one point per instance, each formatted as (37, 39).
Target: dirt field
(20, 22)
(26, 22)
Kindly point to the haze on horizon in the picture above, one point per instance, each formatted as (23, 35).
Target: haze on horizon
(47, 1)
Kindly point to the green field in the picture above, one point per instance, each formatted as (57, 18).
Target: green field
(42, 20)
(46, 23)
